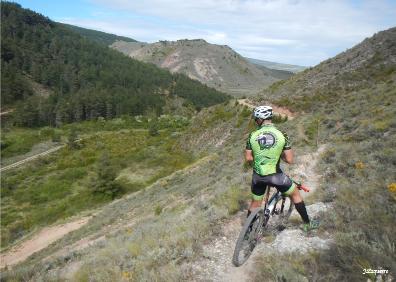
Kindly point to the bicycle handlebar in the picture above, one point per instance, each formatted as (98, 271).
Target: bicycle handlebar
(301, 187)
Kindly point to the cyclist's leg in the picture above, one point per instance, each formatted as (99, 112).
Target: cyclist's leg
(295, 196)
(300, 205)
(258, 190)
(288, 188)
(282, 182)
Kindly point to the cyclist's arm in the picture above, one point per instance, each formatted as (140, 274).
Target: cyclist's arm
(248, 151)
(287, 153)
(248, 155)
(287, 156)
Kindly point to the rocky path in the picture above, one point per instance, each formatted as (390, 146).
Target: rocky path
(216, 264)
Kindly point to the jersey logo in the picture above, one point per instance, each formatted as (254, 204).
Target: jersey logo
(266, 140)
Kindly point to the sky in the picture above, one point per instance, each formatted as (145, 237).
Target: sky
(300, 32)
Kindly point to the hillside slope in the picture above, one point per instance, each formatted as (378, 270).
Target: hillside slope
(217, 66)
(349, 103)
(87, 80)
(362, 66)
(197, 180)
(277, 66)
(160, 232)
(103, 38)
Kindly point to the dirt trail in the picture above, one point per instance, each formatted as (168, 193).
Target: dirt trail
(278, 110)
(52, 150)
(6, 112)
(39, 241)
(217, 265)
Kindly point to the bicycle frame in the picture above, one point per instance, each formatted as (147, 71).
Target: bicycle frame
(270, 204)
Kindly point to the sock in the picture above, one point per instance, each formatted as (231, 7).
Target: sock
(300, 207)
(249, 212)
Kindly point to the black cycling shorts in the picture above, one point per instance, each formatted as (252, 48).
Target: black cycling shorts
(281, 181)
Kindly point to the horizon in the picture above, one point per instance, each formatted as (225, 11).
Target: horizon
(320, 31)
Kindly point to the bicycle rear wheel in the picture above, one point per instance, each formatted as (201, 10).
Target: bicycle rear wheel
(282, 211)
(249, 237)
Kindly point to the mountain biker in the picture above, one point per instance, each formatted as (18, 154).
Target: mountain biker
(264, 148)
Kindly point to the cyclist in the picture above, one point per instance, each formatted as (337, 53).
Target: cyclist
(265, 147)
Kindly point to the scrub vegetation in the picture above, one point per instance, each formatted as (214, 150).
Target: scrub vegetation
(358, 126)
(85, 175)
(159, 188)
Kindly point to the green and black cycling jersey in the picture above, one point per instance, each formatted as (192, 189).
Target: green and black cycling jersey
(267, 144)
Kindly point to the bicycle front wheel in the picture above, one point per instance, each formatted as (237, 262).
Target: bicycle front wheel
(249, 236)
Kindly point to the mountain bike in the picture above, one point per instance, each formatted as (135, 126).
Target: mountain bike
(278, 208)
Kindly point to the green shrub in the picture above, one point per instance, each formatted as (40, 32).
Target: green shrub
(56, 136)
(158, 210)
(104, 181)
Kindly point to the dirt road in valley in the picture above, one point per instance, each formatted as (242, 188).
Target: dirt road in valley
(39, 241)
(52, 150)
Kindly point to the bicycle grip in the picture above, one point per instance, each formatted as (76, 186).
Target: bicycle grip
(302, 187)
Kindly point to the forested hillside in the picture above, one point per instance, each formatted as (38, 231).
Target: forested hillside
(85, 79)
(103, 38)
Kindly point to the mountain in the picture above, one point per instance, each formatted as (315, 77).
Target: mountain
(344, 115)
(189, 188)
(277, 66)
(217, 66)
(98, 36)
(87, 80)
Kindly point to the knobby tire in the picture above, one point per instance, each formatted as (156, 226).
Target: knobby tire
(249, 236)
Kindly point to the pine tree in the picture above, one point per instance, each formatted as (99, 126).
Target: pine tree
(104, 183)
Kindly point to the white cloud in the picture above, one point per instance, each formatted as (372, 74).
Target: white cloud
(303, 31)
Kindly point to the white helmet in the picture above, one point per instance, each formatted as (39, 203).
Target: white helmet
(263, 112)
